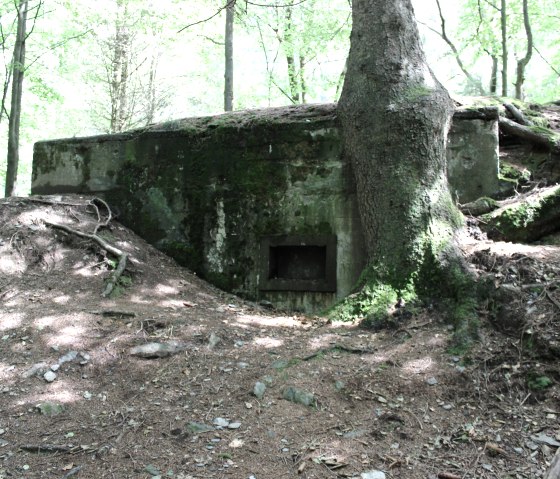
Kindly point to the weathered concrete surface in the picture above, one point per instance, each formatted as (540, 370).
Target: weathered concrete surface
(473, 158)
(207, 191)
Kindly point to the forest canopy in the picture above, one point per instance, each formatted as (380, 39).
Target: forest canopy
(112, 65)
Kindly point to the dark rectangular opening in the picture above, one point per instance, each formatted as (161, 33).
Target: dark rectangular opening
(295, 263)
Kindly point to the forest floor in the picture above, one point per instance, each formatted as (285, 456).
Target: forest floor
(335, 400)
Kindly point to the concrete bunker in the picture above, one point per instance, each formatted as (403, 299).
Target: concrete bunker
(260, 203)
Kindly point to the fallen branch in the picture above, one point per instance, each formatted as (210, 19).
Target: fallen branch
(543, 137)
(121, 255)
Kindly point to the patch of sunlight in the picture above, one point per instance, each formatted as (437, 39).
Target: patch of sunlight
(172, 303)
(271, 321)
(9, 264)
(164, 289)
(46, 321)
(323, 341)
(437, 340)
(62, 299)
(268, 342)
(418, 366)
(11, 320)
(60, 391)
(6, 371)
(70, 335)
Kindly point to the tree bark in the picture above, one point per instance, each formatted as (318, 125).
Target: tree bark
(503, 22)
(228, 75)
(395, 117)
(18, 70)
(523, 62)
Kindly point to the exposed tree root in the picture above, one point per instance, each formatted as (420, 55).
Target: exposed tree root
(102, 221)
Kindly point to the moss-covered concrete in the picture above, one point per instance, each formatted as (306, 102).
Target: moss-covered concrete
(208, 190)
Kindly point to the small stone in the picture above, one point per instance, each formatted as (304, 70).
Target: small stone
(152, 470)
(55, 367)
(234, 425)
(198, 428)
(518, 450)
(432, 381)
(447, 407)
(50, 409)
(68, 357)
(157, 350)
(220, 422)
(213, 341)
(382, 400)
(35, 370)
(242, 365)
(259, 389)
(339, 385)
(49, 376)
(299, 396)
(460, 369)
(87, 395)
(373, 475)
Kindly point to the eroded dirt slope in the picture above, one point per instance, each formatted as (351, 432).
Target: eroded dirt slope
(397, 403)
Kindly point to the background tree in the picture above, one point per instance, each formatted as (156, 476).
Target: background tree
(395, 116)
(228, 74)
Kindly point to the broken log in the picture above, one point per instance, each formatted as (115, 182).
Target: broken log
(536, 135)
(526, 219)
(517, 114)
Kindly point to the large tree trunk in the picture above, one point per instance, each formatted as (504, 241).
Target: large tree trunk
(395, 117)
(228, 75)
(18, 69)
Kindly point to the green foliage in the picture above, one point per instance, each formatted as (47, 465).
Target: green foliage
(537, 382)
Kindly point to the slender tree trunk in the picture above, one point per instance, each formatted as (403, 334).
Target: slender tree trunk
(522, 64)
(18, 70)
(494, 76)
(228, 75)
(303, 85)
(119, 71)
(395, 117)
(503, 22)
(290, 56)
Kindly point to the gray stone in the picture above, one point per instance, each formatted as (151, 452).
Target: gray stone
(299, 396)
(339, 385)
(213, 341)
(280, 364)
(259, 389)
(157, 350)
(37, 369)
(152, 470)
(198, 428)
(220, 422)
(234, 425)
(50, 408)
(68, 357)
(373, 475)
(49, 376)
(432, 381)
(544, 439)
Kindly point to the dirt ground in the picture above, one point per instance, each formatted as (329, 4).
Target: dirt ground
(396, 402)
